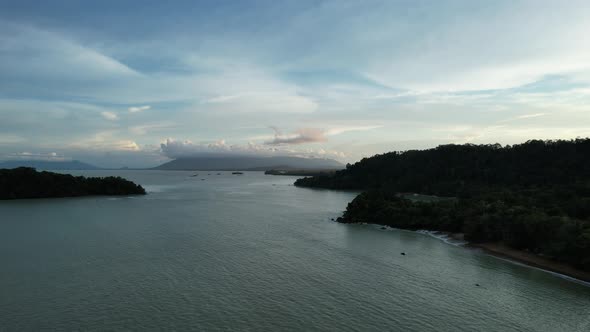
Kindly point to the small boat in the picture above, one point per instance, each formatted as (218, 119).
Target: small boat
(237, 173)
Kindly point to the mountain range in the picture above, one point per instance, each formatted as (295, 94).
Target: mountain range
(249, 163)
(215, 162)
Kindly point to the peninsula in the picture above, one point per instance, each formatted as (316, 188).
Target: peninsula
(532, 197)
(25, 182)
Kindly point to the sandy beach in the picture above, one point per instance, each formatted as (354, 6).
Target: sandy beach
(500, 250)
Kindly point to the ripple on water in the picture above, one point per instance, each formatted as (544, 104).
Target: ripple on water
(190, 256)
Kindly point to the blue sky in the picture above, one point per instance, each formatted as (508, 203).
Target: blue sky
(135, 83)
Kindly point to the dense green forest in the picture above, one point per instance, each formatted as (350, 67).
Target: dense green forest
(452, 170)
(24, 182)
(533, 196)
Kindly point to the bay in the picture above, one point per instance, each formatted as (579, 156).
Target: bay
(253, 252)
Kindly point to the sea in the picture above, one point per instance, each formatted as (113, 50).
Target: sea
(215, 251)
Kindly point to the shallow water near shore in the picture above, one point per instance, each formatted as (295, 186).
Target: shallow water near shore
(253, 252)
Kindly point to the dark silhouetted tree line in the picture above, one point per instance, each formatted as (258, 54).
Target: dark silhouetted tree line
(24, 182)
(452, 170)
(533, 196)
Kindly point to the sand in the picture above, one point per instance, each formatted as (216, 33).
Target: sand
(500, 250)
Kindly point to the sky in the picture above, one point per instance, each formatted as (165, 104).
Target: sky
(137, 83)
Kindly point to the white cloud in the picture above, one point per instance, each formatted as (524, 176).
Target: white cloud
(62, 58)
(263, 102)
(248, 88)
(312, 135)
(443, 46)
(344, 129)
(333, 71)
(529, 116)
(50, 156)
(126, 145)
(103, 141)
(105, 145)
(136, 109)
(145, 129)
(109, 115)
(301, 136)
(173, 149)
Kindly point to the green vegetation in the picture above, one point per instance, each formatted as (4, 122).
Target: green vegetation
(533, 196)
(24, 182)
(452, 170)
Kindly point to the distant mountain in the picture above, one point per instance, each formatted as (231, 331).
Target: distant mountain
(48, 165)
(244, 163)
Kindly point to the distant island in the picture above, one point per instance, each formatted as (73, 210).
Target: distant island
(300, 172)
(26, 182)
(247, 163)
(204, 162)
(532, 198)
(70, 165)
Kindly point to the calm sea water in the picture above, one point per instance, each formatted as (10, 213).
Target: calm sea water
(252, 252)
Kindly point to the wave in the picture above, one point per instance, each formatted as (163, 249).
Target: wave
(447, 238)
(443, 236)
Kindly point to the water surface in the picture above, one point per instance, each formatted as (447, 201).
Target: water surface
(252, 252)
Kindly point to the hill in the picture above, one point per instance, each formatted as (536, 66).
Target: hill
(24, 182)
(533, 197)
(451, 170)
(244, 163)
(48, 165)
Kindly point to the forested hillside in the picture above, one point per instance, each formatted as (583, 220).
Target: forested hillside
(451, 170)
(533, 196)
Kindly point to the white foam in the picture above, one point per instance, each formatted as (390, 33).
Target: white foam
(445, 237)
(449, 240)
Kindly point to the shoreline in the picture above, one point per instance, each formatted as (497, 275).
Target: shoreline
(532, 260)
(504, 252)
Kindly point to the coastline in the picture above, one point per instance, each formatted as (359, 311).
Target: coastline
(502, 251)
(516, 256)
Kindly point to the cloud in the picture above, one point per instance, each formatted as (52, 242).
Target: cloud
(110, 115)
(136, 109)
(174, 149)
(10, 139)
(333, 69)
(50, 156)
(344, 129)
(248, 88)
(62, 58)
(305, 135)
(103, 141)
(458, 48)
(312, 135)
(105, 145)
(277, 101)
(528, 116)
(145, 129)
(125, 145)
